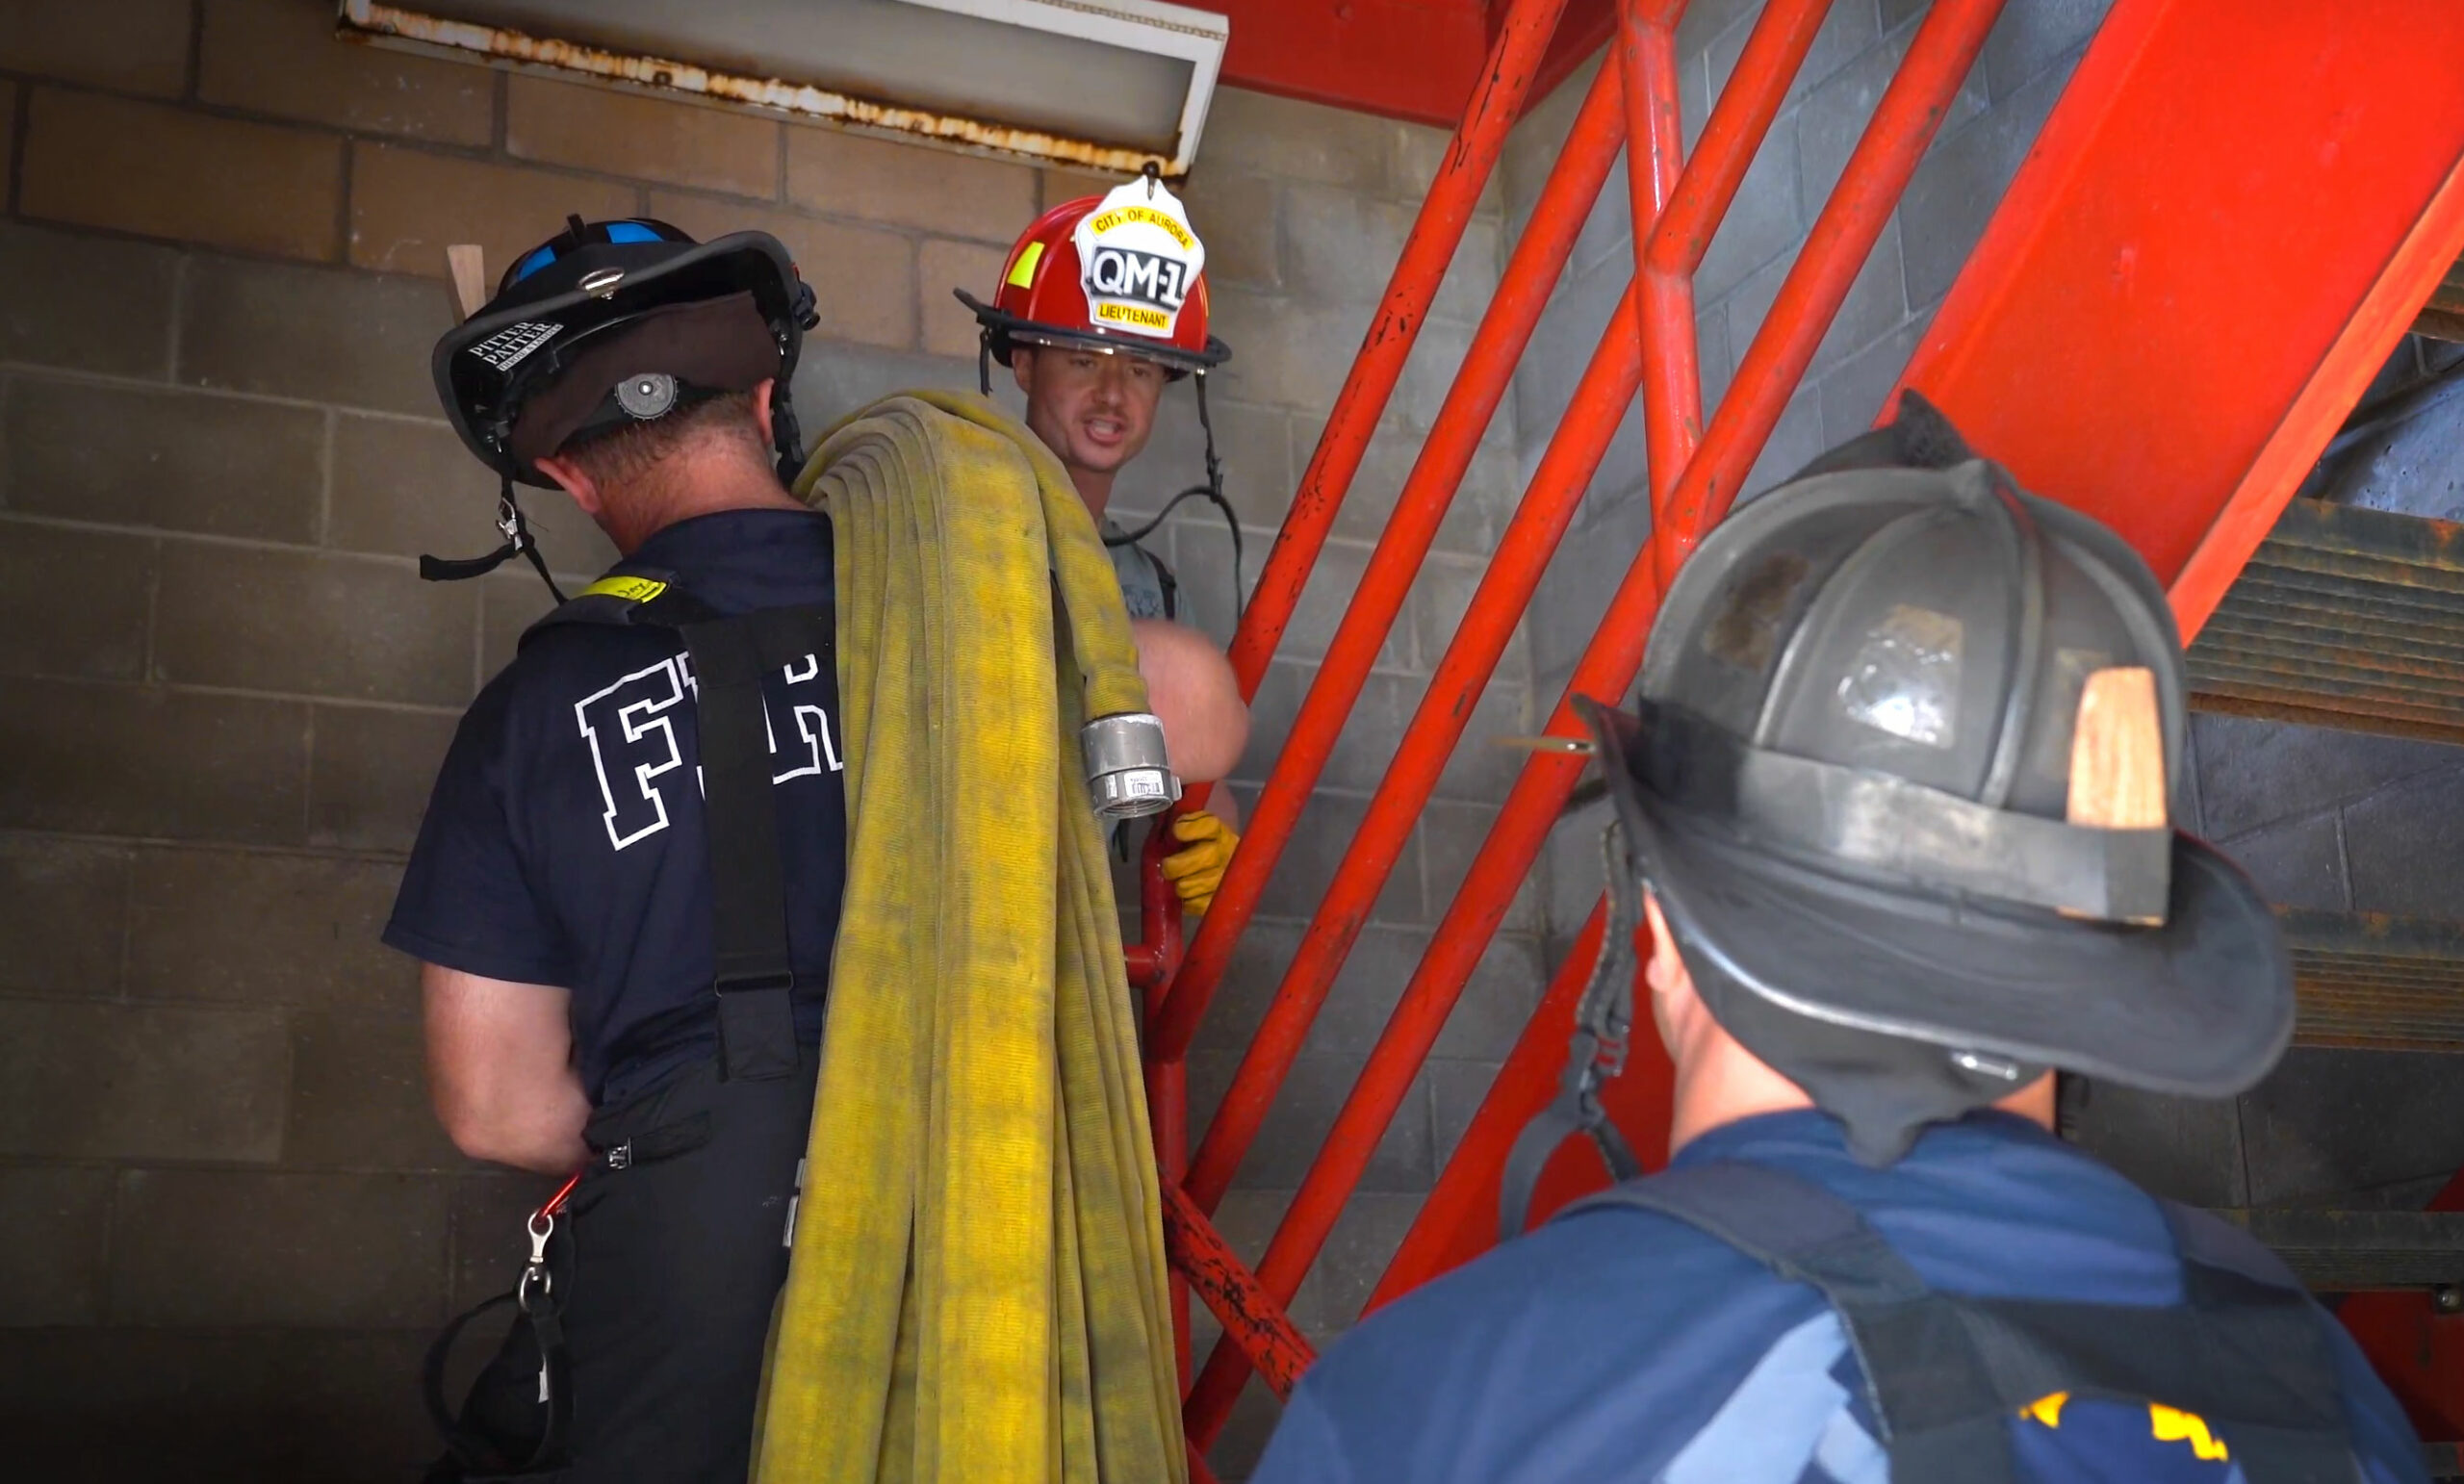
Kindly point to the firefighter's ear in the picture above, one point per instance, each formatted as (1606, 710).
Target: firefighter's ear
(570, 478)
(1675, 1005)
(1022, 366)
(761, 408)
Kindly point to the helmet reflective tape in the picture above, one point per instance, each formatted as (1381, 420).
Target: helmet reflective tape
(1022, 273)
(541, 256)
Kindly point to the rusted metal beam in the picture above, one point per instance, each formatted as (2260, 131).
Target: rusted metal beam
(2361, 1251)
(2345, 617)
(2372, 981)
(1252, 1321)
(405, 28)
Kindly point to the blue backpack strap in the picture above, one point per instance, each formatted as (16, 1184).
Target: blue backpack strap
(1925, 1378)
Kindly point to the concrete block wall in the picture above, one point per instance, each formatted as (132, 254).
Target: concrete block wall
(230, 1223)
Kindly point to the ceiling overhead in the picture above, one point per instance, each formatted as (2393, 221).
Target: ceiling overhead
(1413, 60)
(1103, 83)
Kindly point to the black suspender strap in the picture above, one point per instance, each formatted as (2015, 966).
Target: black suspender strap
(756, 1025)
(1946, 1373)
(1170, 585)
(755, 974)
(1924, 1379)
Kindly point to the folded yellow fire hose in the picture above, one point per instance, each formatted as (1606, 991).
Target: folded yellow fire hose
(977, 1289)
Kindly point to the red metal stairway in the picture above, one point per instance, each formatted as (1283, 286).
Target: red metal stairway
(2225, 225)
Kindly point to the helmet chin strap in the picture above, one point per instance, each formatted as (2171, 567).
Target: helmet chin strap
(785, 436)
(518, 542)
(1211, 490)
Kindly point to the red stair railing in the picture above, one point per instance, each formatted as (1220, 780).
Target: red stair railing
(2056, 297)
(1462, 175)
(1647, 345)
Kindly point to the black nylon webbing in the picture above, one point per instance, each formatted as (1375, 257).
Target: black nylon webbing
(1946, 1373)
(1924, 1379)
(748, 887)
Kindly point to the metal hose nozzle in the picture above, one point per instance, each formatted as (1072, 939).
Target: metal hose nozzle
(1127, 770)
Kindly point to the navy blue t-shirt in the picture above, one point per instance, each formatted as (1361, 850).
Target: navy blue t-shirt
(565, 844)
(1626, 1346)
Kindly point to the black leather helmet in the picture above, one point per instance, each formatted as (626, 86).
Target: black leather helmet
(1846, 778)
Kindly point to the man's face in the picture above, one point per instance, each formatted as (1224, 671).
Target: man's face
(1094, 411)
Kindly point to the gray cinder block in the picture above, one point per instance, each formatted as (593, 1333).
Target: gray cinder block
(87, 1081)
(173, 459)
(354, 340)
(124, 759)
(73, 604)
(262, 928)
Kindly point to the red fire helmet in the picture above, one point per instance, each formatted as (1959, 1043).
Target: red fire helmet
(1123, 273)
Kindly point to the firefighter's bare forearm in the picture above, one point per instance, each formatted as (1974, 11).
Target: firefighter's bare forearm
(500, 1070)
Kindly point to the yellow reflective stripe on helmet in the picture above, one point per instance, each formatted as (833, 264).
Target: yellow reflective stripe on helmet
(630, 589)
(1022, 273)
(2046, 1409)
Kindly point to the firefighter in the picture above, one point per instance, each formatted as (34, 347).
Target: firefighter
(1887, 895)
(1102, 303)
(607, 987)
(629, 879)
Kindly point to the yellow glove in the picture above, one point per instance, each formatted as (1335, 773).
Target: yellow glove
(1196, 869)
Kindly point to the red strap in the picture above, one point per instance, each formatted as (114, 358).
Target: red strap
(556, 1203)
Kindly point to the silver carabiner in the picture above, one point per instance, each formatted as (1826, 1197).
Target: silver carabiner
(536, 1282)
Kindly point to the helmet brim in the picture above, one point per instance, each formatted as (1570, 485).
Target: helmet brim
(2201, 1006)
(1006, 331)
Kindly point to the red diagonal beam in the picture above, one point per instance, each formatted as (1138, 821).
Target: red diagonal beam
(1480, 383)
(1459, 1219)
(1436, 232)
(1599, 401)
(1539, 795)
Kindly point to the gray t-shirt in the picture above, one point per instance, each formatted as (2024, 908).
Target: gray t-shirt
(1146, 584)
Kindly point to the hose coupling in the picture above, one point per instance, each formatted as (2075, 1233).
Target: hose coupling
(1127, 770)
